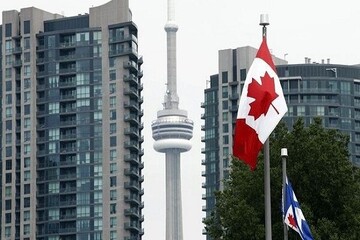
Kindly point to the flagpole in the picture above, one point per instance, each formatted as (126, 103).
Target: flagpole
(264, 21)
(284, 155)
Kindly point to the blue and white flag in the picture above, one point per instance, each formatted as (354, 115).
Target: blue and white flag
(293, 216)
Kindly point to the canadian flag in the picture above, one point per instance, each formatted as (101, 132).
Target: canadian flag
(262, 105)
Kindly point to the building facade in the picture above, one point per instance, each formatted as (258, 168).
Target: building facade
(71, 125)
(311, 89)
(329, 91)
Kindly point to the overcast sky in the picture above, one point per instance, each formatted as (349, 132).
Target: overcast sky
(298, 29)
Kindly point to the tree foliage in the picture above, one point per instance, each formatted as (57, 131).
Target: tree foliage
(324, 180)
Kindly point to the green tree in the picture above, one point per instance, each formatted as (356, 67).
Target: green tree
(324, 180)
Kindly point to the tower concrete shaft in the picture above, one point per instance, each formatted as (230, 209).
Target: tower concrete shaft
(174, 228)
(172, 132)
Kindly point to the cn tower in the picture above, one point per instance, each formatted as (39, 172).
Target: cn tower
(172, 131)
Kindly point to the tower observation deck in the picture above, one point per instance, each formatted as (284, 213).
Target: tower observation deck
(172, 131)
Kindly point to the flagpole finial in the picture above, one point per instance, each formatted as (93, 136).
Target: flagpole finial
(264, 21)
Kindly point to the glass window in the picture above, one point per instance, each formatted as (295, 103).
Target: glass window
(26, 202)
(83, 211)
(113, 235)
(113, 101)
(83, 92)
(301, 110)
(98, 197)
(8, 218)
(26, 216)
(26, 43)
(53, 82)
(113, 222)
(26, 122)
(8, 138)
(98, 224)
(8, 111)
(27, 71)
(112, 128)
(26, 96)
(225, 117)
(27, 27)
(27, 83)
(225, 93)
(98, 104)
(345, 87)
(8, 164)
(8, 46)
(112, 74)
(226, 139)
(97, 91)
(8, 59)
(113, 195)
(54, 134)
(97, 170)
(97, 183)
(97, 37)
(8, 204)
(26, 229)
(26, 162)
(112, 114)
(8, 191)
(26, 188)
(8, 125)
(224, 76)
(27, 136)
(8, 151)
(83, 198)
(113, 181)
(27, 109)
(26, 57)
(8, 231)
(53, 147)
(113, 167)
(27, 175)
(113, 155)
(112, 208)
(54, 214)
(8, 30)
(82, 38)
(225, 105)
(112, 87)
(27, 149)
(53, 108)
(113, 141)
(8, 177)
(82, 78)
(8, 72)
(226, 128)
(8, 86)
(98, 210)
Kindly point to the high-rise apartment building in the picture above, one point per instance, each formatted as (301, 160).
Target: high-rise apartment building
(71, 125)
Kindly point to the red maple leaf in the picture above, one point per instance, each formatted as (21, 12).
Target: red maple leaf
(264, 95)
(292, 221)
